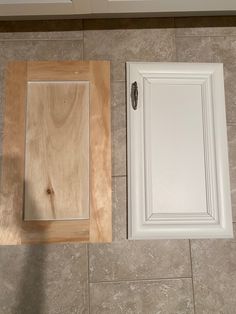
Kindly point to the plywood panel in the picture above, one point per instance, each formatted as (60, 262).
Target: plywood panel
(55, 231)
(57, 151)
(100, 154)
(87, 82)
(12, 174)
(58, 70)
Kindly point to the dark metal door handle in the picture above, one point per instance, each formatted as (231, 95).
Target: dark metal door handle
(134, 95)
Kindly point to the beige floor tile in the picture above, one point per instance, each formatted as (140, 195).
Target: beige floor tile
(214, 275)
(232, 166)
(118, 105)
(206, 31)
(43, 279)
(224, 49)
(119, 152)
(75, 35)
(148, 297)
(118, 116)
(194, 49)
(40, 50)
(230, 95)
(120, 46)
(119, 208)
(129, 260)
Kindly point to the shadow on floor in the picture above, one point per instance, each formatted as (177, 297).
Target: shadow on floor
(29, 287)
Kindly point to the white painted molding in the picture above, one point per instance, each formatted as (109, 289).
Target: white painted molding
(178, 173)
(162, 6)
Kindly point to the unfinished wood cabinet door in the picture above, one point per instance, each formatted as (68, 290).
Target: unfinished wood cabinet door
(56, 168)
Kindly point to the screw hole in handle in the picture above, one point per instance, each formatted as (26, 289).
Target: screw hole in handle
(134, 95)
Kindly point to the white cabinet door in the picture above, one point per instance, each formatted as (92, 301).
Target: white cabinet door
(162, 6)
(178, 176)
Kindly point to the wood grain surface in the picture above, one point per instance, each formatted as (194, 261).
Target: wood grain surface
(100, 154)
(12, 178)
(58, 71)
(55, 231)
(57, 151)
(49, 128)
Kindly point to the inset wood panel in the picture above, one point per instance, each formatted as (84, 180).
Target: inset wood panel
(57, 151)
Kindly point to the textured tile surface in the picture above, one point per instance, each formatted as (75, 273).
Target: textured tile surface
(164, 296)
(194, 49)
(78, 35)
(224, 51)
(129, 260)
(230, 95)
(118, 105)
(232, 166)
(43, 279)
(214, 275)
(40, 50)
(118, 111)
(119, 150)
(119, 208)
(206, 31)
(120, 46)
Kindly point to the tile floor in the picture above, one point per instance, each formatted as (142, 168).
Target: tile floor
(146, 277)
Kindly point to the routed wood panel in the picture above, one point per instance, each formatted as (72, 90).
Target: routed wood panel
(56, 176)
(57, 151)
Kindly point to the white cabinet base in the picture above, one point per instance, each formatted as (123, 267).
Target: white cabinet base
(178, 174)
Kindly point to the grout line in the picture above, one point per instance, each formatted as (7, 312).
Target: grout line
(119, 176)
(231, 123)
(202, 35)
(191, 268)
(139, 280)
(118, 81)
